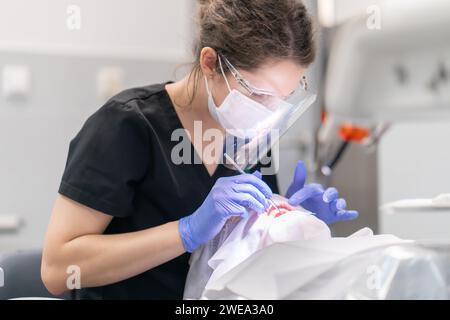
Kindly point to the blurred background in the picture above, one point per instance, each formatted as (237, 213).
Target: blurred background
(61, 60)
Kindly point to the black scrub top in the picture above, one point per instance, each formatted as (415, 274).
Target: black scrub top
(120, 164)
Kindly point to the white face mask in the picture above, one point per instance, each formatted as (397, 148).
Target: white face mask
(237, 111)
(240, 115)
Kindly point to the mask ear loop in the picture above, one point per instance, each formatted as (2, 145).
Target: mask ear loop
(207, 85)
(223, 73)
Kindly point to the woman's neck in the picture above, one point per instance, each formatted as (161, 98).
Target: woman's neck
(186, 100)
(191, 111)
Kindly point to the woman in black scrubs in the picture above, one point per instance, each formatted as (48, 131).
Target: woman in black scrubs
(127, 215)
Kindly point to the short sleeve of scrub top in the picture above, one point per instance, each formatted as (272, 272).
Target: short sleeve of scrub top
(107, 158)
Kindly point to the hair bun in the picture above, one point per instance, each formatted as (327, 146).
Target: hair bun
(205, 2)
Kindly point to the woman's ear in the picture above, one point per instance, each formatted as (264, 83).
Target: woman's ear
(208, 62)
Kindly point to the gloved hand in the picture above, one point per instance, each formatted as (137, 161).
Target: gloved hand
(326, 204)
(230, 196)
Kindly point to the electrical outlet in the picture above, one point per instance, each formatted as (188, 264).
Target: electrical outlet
(9, 222)
(16, 81)
(110, 81)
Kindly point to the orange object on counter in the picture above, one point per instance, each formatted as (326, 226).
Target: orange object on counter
(350, 132)
(323, 116)
(347, 131)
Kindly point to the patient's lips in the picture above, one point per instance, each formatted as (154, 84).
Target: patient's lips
(283, 207)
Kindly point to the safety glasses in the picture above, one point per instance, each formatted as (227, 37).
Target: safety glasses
(267, 98)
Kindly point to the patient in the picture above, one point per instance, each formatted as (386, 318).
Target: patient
(242, 237)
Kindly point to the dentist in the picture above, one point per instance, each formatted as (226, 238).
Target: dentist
(126, 214)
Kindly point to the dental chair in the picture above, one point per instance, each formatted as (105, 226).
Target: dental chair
(21, 275)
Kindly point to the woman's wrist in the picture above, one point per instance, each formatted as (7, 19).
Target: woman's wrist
(184, 234)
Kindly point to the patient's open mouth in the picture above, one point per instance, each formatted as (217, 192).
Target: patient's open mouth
(283, 207)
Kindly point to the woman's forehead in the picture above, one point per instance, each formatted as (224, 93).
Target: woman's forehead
(281, 77)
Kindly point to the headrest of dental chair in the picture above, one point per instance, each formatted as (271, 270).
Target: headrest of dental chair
(20, 276)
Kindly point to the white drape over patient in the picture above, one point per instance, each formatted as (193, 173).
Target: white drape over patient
(241, 237)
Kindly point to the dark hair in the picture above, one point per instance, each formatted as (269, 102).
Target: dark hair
(250, 32)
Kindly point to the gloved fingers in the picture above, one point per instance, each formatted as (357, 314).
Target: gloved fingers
(257, 174)
(256, 182)
(255, 206)
(298, 182)
(330, 195)
(247, 201)
(239, 211)
(317, 186)
(253, 191)
(300, 174)
(308, 192)
(338, 205)
(344, 215)
(244, 214)
(233, 207)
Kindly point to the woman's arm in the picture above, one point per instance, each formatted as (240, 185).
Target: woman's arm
(74, 237)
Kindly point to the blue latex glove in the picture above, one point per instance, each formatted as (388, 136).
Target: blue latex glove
(326, 204)
(230, 196)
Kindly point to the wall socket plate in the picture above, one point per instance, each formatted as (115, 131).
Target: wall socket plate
(16, 81)
(9, 222)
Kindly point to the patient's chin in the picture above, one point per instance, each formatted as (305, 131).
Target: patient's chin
(297, 225)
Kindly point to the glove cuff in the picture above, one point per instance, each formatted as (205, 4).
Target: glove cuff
(185, 234)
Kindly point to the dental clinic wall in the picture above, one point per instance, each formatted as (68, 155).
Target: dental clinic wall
(414, 161)
(132, 43)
